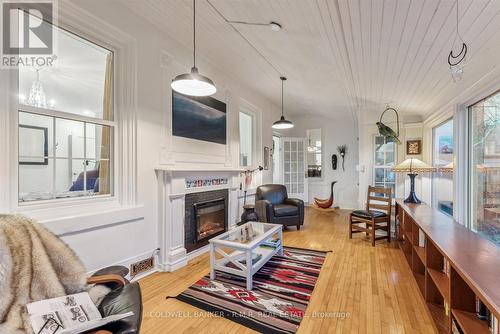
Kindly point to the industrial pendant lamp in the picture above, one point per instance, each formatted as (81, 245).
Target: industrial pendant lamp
(193, 83)
(282, 123)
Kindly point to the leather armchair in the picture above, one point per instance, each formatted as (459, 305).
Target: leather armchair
(273, 206)
(123, 298)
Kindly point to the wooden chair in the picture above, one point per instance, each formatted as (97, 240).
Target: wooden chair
(377, 215)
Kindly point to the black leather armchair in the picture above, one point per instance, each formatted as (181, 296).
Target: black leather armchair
(124, 297)
(273, 206)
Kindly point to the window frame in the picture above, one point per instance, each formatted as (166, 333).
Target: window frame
(73, 117)
(385, 166)
(57, 114)
(75, 205)
(253, 148)
(435, 176)
(470, 199)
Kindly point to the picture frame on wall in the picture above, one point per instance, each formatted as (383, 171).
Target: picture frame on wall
(445, 144)
(33, 145)
(414, 147)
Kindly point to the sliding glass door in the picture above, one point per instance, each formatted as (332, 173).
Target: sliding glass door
(484, 168)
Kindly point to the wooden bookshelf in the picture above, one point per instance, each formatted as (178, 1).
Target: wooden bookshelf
(454, 267)
(469, 322)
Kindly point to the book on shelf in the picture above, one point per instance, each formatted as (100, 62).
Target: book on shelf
(421, 238)
(446, 267)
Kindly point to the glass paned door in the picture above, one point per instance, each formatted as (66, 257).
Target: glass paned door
(294, 167)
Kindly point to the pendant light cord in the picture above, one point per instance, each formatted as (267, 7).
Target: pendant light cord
(282, 107)
(194, 33)
(243, 37)
(458, 33)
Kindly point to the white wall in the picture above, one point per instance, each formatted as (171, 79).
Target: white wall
(125, 235)
(334, 133)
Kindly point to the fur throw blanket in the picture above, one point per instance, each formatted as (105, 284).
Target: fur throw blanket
(34, 265)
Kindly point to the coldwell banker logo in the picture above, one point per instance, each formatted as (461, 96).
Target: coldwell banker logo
(28, 34)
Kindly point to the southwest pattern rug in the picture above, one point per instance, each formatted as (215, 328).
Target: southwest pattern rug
(277, 303)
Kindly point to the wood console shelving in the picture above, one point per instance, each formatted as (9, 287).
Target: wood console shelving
(454, 266)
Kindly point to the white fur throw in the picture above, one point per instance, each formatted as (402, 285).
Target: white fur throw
(34, 265)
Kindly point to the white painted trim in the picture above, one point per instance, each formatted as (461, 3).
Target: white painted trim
(127, 262)
(65, 225)
(461, 170)
(198, 252)
(65, 115)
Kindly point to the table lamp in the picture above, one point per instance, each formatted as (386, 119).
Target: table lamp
(413, 166)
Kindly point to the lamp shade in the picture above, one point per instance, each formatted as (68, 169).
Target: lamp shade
(282, 123)
(193, 84)
(413, 165)
(447, 168)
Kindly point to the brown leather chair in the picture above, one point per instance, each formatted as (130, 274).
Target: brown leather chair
(376, 216)
(273, 206)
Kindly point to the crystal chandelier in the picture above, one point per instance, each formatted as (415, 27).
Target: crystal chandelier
(37, 97)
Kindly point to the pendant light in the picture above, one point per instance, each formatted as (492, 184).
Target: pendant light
(193, 84)
(282, 123)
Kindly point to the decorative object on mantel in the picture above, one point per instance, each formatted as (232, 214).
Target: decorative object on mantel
(325, 203)
(413, 166)
(457, 62)
(342, 149)
(413, 147)
(193, 83)
(199, 183)
(334, 161)
(282, 123)
(249, 213)
(386, 131)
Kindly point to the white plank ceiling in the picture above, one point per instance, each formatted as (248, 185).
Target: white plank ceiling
(340, 56)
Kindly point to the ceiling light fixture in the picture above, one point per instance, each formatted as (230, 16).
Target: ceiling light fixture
(193, 83)
(275, 26)
(282, 123)
(457, 62)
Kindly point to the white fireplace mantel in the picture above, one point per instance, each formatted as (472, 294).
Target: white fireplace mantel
(172, 189)
(167, 168)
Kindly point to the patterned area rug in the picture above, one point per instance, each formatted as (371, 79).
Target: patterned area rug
(282, 289)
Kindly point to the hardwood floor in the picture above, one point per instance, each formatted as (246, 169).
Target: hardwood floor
(372, 286)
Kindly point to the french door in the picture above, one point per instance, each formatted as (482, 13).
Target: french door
(294, 167)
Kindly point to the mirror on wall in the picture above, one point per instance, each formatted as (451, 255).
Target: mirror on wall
(314, 153)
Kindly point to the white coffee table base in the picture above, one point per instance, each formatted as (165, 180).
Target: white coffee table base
(241, 251)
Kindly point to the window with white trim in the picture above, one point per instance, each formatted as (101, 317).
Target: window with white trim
(246, 139)
(384, 159)
(442, 159)
(66, 125)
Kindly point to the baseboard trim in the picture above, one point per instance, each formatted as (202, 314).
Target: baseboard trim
(127, 262)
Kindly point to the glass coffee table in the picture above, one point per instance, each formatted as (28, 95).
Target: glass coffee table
(245, 249)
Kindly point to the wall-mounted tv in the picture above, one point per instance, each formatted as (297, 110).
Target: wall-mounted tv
(200, 118)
